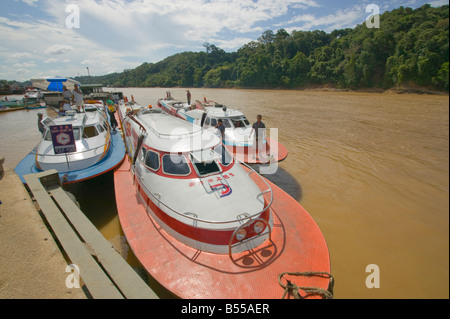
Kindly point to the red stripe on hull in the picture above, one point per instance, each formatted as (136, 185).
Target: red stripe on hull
(207, 236)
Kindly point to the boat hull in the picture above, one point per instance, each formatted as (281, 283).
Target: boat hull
(296, 244)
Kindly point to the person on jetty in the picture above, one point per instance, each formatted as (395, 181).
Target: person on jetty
(78, 98)
(260, 131)
(41, 126)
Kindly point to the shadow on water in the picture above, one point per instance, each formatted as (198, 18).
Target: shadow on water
(284, 180)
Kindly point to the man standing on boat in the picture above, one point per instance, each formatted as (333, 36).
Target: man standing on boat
(188, 97)
(260, 131)
(78, 98)
(221, 128)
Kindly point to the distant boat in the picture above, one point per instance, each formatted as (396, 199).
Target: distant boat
(32, 94)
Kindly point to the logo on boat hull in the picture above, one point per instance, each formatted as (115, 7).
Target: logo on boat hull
(222, 189)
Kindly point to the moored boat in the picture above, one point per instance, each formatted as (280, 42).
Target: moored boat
(32, 95)
(96, 150)
(203, 224)
(238, 137)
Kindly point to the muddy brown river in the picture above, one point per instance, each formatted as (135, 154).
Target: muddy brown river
(372, 169)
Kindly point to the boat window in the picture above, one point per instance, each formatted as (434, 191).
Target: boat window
(47, 136)
(143, 153)
(247, 123)
(76, 133)
(207, 121)
(213, 122)
(152, 160)
(89, 131)
(100, 128)
(226, 123)
(225, 157)
(205, 162)
(175, 164)
(240, 122)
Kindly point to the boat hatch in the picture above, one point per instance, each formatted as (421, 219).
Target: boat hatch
(205, 162)
(205, 156)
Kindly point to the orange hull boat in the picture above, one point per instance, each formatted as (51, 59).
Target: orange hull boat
(296, 244)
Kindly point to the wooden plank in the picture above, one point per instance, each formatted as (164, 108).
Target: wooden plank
(130, 284)
(97, 282)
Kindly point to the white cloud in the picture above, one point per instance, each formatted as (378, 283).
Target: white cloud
(232, 44)
(438, 3)
(25, 65)
(58, 49)
(51, 60)
(32, 3)
(347, 18)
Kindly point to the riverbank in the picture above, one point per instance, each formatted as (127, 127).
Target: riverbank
(31, 264)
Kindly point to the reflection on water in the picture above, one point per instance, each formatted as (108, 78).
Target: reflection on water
(371, 169)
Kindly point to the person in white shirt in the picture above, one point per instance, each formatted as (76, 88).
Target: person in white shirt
(66, 106)
(78, 98)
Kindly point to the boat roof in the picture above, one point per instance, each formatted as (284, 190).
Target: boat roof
(174, 103)
(170, 134)
(92, 118)
(220, 113)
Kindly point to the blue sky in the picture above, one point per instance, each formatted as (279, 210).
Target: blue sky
(37, 38)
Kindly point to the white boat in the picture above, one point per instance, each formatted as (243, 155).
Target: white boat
(199, 193)
(97, 149)
(205, 225)
(237, 137)
(92, 139)
(32, 94)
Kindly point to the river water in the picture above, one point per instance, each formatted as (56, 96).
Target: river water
(372, 170)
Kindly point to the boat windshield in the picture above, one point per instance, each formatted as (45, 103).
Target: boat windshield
(175, 164)
(226, 122)
(240, 122)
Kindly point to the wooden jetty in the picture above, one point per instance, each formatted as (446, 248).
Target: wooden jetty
(103, 270)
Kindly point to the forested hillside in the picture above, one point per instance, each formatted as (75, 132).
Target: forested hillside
(411, 47)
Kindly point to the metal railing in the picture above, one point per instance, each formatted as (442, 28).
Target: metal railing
(162, 135)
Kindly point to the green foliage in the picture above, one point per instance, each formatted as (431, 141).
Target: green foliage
(411, 46)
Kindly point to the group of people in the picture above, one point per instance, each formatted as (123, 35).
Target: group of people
(72, 97)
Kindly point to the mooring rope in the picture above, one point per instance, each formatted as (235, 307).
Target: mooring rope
(325, 293)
